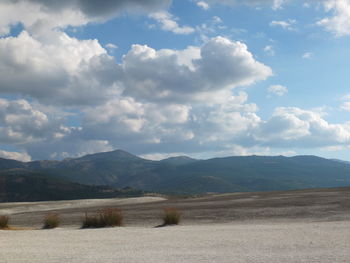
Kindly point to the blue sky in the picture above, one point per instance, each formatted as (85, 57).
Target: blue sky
(161, 78)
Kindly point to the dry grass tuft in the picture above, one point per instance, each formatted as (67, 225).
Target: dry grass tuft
(109, 217)
(51, 220)
(172, 216)
(4, 222)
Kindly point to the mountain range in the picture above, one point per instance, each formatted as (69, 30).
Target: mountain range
(184, 175)
(25, 186)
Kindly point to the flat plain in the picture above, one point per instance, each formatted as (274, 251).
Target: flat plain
(292, 226)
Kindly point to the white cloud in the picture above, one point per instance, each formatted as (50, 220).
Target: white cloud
(21, 123)
(54, 68)
(216, 67)
(111, 46)
(278, 90)
(296, 128)
(19, 156)
(287, 25)
(275, 4)
(345, 106)
(159, 128)
(148, 100)
(210, 28)
(269, 50)
(59, 14)
(345, 97)
(64, 70)
(307, 55)
(229, 127)
(216, 20)
(153, 101)
(34, 16)
(66, 147)
(203, 5)
(127, 118)
(168, 23)
(339, 22)
(58, 69)
(161, 156)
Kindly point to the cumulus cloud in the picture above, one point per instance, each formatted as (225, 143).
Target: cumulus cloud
(168, 23)
(275, 4)
(306, 5)
(211, 28)
(33, 16)
(191, 74)
(53, 14)
(307, 55)
(294, 127)
(58, 70)
(146, 128)
(269, 50)
(19, 156)
(96, 8)
(127, 119)
(228, 121)
(67, 71)
(345, 97)
(111, 46)
(339, 22)
(21, 123)
(141, 127)
(286, 25)
(152, 101)
(278, 90)
(345, 106)
(152, 127)
(148, 101)
(67, 147)
(203, 5)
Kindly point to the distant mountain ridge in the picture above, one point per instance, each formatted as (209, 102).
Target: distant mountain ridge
(185, 175)
(19, 185)
(179, 160)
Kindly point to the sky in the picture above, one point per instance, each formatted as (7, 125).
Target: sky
(160, 78)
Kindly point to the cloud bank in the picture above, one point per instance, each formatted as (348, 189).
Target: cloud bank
(62, 96)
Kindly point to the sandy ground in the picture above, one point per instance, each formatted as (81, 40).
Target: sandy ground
(35, 207)
(304, 205)
(294, 226)
(241, 242)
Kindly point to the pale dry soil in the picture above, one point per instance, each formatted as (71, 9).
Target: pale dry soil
(293, 226)
(232, 242)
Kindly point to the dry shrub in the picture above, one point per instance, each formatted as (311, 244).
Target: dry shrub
(4, 221)
(108, 217)
(89, 221)
(172, 216)
(51, 220)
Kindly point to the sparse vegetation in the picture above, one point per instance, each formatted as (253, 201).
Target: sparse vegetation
(172, 216)
(4, 220)
(51, 220)
(109, 217)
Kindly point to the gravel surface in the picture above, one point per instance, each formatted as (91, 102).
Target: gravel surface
(34, 207)
(328, 205)
(234, 242)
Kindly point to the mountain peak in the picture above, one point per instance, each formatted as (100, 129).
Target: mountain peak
(179, 160)
(116, 154)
